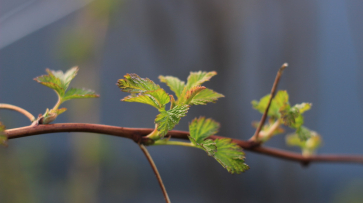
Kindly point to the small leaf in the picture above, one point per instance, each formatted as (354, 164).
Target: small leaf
(3, 137)
(158, 98)
(65, 78)
(132, 83)
(51, 82)
(303, 107)
(205, 96)
(172, 101)
(166, 120)
(303, 133)
(79, 93)
(308, 145)
(208, 145)
(202, 128)
(292, 116)
(174, 83)
(230, 156)
(188, 96)
(289, 115)
(197, 78)
(59, 82)
(281, 99)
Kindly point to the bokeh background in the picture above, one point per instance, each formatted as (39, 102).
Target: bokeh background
(245, 41)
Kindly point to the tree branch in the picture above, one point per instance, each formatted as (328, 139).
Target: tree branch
(137, 135)
(18, 109)
(156, 172)
(272, 94)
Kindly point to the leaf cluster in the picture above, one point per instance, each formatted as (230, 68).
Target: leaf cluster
(59, 82)
(309, 145)
(281, 112)
(144, 90)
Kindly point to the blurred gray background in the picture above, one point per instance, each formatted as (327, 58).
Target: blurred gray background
(245, 41)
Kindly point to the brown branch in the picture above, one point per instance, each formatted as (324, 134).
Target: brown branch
(18, 109)
(272, 94)
(137, 135)
(156, 172)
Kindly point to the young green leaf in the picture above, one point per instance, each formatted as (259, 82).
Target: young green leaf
(3, 137)
(158, 98)
(303, 107)
(166, 120)
(308, 145)
(205, 96)
(77, 93)
(202, 128)
(207, 145)
(59, 82)
(66, 77)
(188, 96)
(192, 93)
(303, 133)
(292, 116)
(197, 78)
(132, 83)
(281, 99)
(230, 156)
(174, 83)
(51, 82)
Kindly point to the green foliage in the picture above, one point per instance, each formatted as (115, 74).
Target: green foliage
(156, 98)
(132, 83)
(308, 145)
(173, 83)
(281, 112)
(202, 128)
(228, 154)
(59, 82)
(205, 96)
(77, 93)
(292, 116)
(3, 137)
(280, 100)
(192, 93)
(198, 78)
(144, 90)
(166, 120)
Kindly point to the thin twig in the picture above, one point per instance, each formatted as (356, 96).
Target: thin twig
(273, 91)
(136, 134)
(153, 166)
(18, 109)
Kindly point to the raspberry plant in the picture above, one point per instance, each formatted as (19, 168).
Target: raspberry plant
(228, 152)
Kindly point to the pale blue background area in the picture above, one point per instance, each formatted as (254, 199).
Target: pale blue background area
(245, 42)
